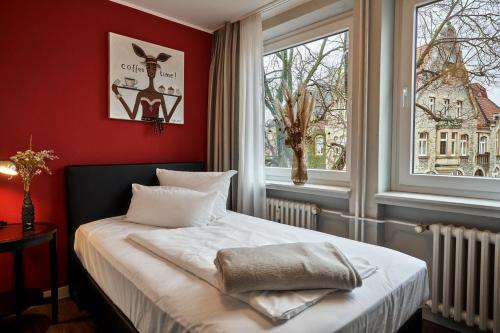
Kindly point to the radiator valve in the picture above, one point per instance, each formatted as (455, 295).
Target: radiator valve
(420, 228)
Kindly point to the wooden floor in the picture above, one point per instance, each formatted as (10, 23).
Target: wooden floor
(37, 320)
(72, 320)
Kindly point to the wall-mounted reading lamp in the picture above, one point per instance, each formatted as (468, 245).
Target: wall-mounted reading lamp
(8, 168)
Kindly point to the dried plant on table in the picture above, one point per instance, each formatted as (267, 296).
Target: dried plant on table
(29, 164)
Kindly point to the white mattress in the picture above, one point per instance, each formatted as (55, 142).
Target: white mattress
(159, 297)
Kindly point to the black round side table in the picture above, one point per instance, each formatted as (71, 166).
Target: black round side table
(14, 239)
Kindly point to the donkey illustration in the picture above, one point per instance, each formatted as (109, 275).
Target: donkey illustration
(149, 98)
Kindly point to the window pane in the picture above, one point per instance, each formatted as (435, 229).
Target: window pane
(498, 144)
(457, 87)
(320, 142)
(459, 109)
(483, 145)
(496, 172)
(423, 144)
(443, 143)
(454, 136)
(446, 107)
(432, 102)
(463, 145)
(322, 65)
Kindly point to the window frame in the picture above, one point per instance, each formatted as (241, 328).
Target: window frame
(498, 142)
(322, 137)
(453, 143)
(446, 107)
(460, 105)
(324, 29)
(483, 144)
(496, 172)
(423, 141)
(464, 143)
(403, 134)
(440, 142)
(432, 103)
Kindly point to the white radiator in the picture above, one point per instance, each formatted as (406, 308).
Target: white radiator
(298, 214)
(466, 276)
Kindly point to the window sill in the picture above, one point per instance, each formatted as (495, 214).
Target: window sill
(313, 189)
(461, 205)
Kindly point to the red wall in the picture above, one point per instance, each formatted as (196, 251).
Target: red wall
(54, 85)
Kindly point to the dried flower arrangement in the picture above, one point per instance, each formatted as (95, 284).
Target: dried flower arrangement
(295, 115)
(29, 164)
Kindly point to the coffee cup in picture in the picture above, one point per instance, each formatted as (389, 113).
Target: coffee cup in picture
(130, 82)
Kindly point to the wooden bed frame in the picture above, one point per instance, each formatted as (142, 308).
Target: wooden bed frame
(99, 191)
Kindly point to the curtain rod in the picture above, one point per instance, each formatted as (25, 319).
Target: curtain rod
(263, 9)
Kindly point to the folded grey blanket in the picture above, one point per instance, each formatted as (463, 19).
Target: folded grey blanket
(292, 266)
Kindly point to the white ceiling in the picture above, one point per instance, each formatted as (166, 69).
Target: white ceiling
(206, 15)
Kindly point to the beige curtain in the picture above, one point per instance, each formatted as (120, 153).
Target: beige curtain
(223, 103)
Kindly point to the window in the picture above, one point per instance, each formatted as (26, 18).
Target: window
(322, 64)
(483, 144)
(459, 109)
(496, 172)
(464, 144)
(446, 107)
(440, 47)
(320, 144)
(454, 138)
(443, 143)
(432, 104)
(498, 143)
(422, 144)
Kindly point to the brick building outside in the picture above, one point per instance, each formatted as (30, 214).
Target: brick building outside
(457, 127)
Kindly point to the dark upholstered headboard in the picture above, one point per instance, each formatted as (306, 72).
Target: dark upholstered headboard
(95, 192)
(98, 191)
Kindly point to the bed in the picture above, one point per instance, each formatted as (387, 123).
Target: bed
(128, 289)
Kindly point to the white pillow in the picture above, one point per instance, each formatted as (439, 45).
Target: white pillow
(201, 181)
(171, 207)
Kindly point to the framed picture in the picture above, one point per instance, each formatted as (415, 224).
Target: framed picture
(146, 81)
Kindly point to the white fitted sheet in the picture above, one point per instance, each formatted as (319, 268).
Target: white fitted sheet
(160, 297)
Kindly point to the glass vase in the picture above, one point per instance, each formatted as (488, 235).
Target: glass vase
(28, 212)
(299, 167)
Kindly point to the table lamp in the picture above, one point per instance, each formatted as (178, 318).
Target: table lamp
(8, 168)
